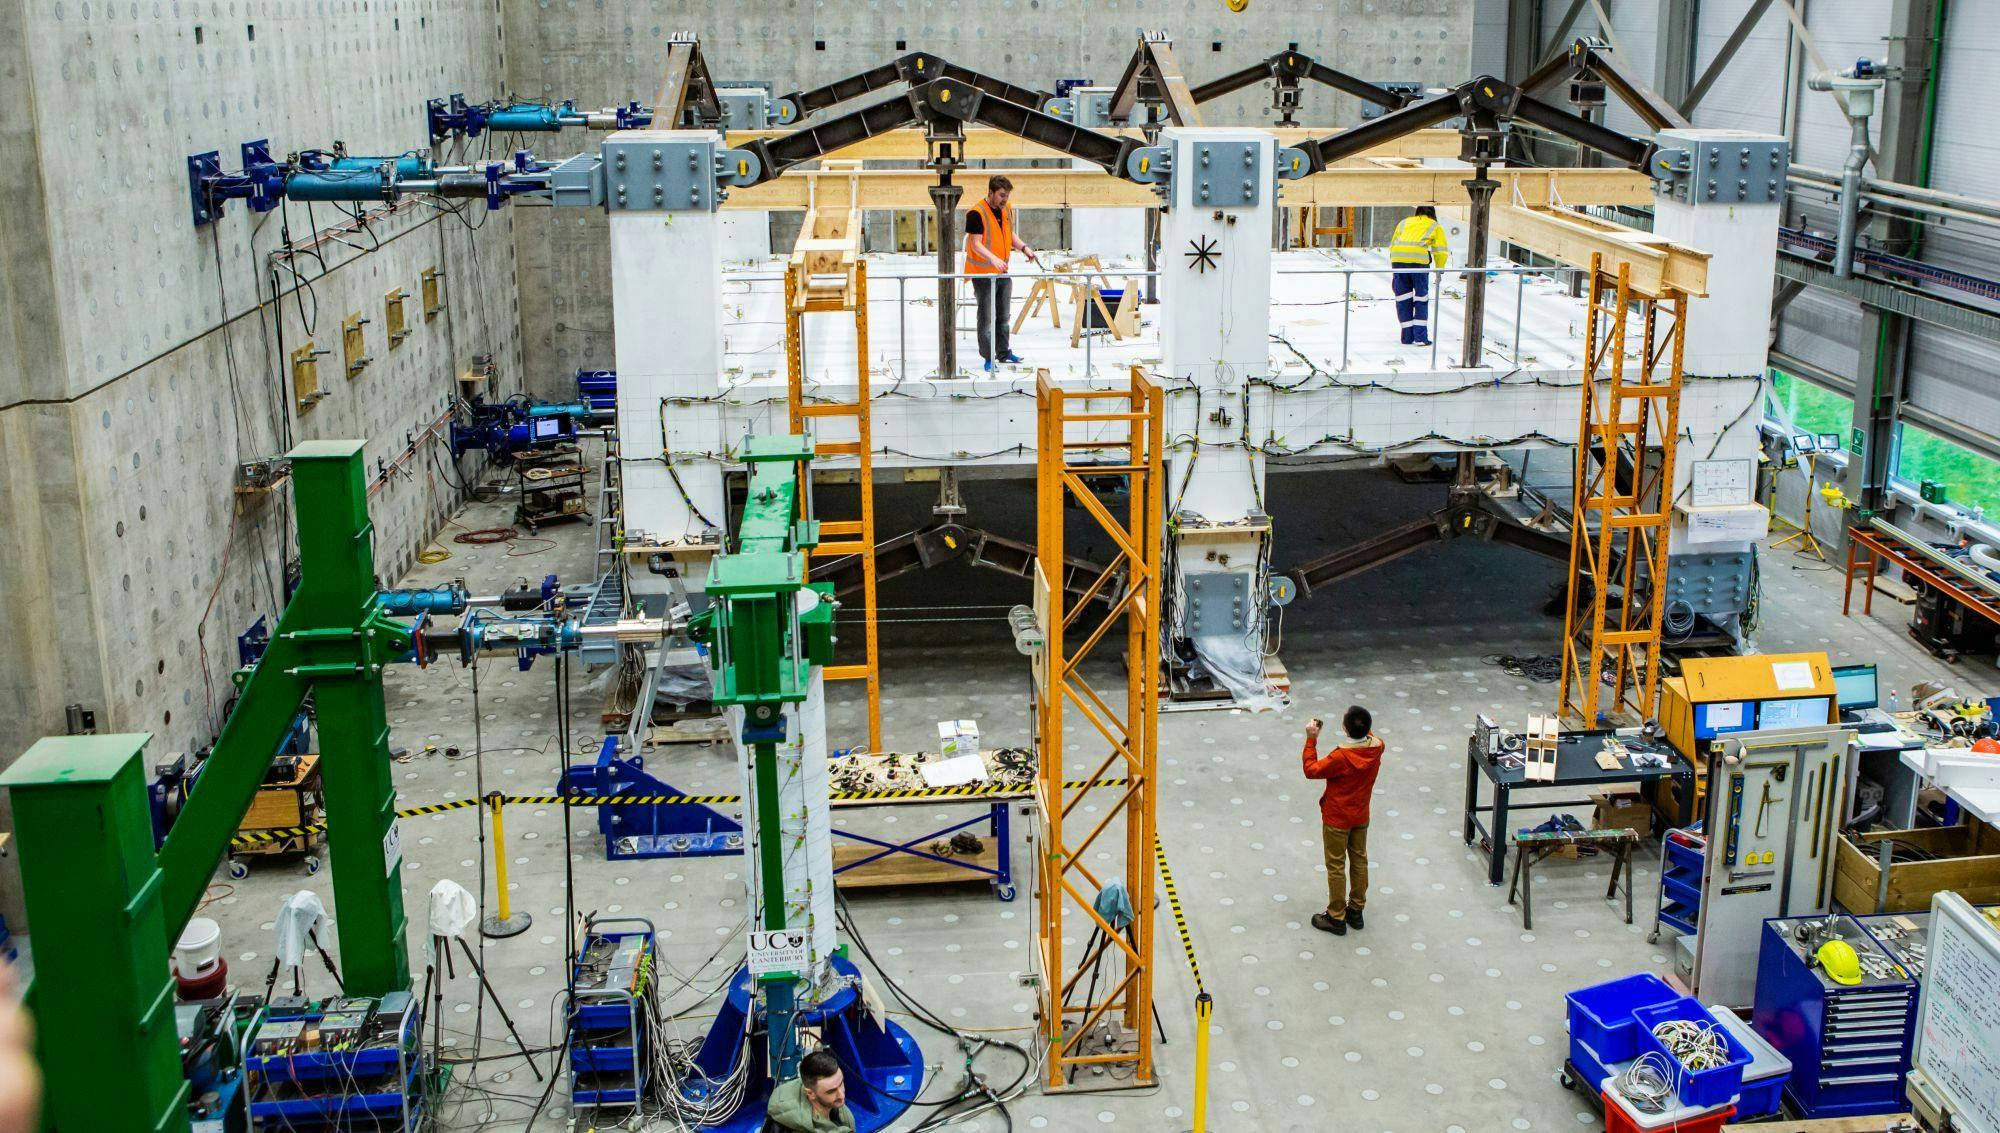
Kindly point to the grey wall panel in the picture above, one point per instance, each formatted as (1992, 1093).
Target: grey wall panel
(1747, 95)
(1953, 376)
(1818, 327)
(1845, 31)
(1965, 155)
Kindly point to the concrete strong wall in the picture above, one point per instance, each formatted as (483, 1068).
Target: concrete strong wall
(141, 357)
(600, 53)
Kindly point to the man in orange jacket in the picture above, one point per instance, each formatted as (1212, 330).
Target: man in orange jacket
(1349, 771)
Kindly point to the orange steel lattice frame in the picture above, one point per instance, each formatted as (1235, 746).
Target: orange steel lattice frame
(1612, 637)
(841, 537)
(1082, 435)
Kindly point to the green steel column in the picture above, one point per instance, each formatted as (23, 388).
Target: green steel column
(336, 592)
(102, 998)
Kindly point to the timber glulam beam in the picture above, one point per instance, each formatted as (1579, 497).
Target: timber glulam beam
(1658, 265)
(1090, 188)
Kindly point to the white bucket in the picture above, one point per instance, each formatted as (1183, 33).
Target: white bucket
(199, 949)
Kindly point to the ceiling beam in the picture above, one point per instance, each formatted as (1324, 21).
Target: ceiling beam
(1091, 188)
(985, 143)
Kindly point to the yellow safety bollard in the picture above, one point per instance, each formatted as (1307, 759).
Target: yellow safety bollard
(505, 922)
(1203, 1008)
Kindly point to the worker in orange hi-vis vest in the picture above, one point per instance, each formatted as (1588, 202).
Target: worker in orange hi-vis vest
(989, 241)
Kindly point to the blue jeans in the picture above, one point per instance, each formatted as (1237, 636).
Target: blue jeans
(1413, 305)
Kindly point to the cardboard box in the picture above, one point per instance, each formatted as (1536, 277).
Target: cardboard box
(1621, 806)
(958, 737)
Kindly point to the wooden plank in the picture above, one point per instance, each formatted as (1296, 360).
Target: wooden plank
(986, 143)
(1875, 1124)
(1075, 188)
(1573, 238)
(907, 869)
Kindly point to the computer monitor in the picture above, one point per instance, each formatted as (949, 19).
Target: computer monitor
(1854, 686)
(547, 428)
(1796, 712)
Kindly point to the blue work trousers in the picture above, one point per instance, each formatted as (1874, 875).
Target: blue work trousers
(1413, 305)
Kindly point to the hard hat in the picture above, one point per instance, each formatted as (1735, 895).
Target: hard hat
(1986, 745)
(1837, 959)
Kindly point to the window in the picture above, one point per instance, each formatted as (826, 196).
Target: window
(1970, 480)
(1802, 407)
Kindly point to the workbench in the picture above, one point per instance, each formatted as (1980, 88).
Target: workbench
(1531, 846)
(1576, 766)
(863, 861)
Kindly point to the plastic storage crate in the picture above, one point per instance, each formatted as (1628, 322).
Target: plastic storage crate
(1600, 1016)
(1715, 1086)
(1764, 1079)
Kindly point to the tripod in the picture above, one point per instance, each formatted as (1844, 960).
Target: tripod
(1809, 543)
(434, 992)
(298, 977)
(1098, 944)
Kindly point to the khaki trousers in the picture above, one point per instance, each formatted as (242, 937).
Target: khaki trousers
(1346, 868)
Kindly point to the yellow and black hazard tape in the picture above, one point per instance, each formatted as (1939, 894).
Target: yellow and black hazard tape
(282, 833)
(1180, 915)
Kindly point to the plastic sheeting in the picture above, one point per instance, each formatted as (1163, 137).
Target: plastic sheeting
(298, 920)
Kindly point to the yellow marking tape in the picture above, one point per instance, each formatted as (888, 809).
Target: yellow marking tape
(279, 834)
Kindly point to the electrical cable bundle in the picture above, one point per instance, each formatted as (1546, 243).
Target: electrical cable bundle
(1648, 1083)
(1697, 1046)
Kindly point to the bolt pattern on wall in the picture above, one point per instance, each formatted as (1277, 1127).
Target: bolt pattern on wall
(178, 352)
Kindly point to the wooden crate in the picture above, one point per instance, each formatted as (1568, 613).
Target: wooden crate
(1968, 863)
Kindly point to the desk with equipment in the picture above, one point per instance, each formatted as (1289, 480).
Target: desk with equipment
(1886, 786)
(1715, 696)
(1497, 755)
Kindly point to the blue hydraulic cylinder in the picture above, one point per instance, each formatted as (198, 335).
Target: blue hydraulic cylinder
(525, 118)
(407, 165)
(435, 600)
(341, 185)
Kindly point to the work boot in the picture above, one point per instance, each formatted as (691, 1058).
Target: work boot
(1354, 918)
(1012, 359)
(1325, 923)
(988, 367)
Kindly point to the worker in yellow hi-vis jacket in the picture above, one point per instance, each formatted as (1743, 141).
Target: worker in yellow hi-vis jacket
(1417, 245)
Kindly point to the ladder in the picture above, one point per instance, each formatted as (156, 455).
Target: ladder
(807, 291)
(610, 512)
(1623, 502)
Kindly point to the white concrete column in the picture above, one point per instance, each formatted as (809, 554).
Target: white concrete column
(1727, 206)
(1215, 318)
(1215, 330)
(1728, 331)
(666, 272)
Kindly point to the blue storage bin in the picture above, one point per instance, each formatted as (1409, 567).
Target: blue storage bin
(1601, 1016)
(1697, 1087)
(1591, 1069)
(1757, 1099)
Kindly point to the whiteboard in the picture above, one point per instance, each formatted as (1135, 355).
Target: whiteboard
(1719, 482)
(1958, 1014)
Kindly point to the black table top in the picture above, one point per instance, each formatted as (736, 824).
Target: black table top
(1576, 763)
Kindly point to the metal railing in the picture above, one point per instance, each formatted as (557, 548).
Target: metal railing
(1435, 298)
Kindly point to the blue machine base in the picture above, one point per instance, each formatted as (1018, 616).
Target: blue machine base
(890, 1066)
(648, 830)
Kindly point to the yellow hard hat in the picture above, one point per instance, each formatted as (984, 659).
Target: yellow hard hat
(1837, 959)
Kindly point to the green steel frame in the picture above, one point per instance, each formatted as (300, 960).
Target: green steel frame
(764, 651)
(105, 910)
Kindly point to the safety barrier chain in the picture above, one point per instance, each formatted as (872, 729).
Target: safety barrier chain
(282, 833)
(1180, 915)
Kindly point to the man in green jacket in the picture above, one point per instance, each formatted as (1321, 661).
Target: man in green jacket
(815, 1101)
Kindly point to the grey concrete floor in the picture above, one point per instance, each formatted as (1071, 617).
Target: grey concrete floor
(1442, 1015)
